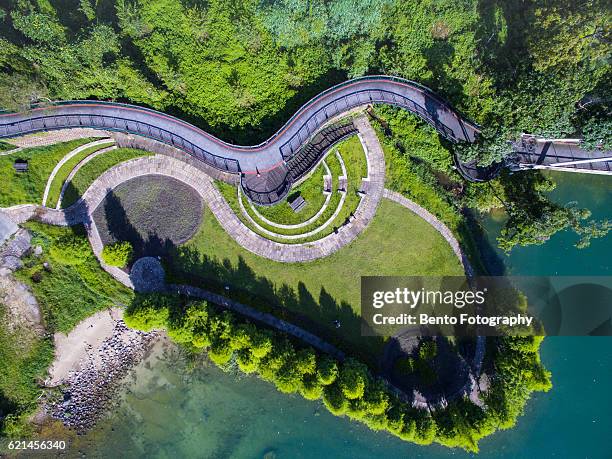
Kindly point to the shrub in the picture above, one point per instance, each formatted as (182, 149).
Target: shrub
(404, 365)
(353, 378)
(70, 250)
(348, 388)
(117, 254)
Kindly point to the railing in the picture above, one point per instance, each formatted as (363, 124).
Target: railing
(352, 100)
(113, 123)
(416, 107)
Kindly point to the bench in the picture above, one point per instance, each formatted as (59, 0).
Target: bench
(327, 184)
(20, 165)
(297, 204)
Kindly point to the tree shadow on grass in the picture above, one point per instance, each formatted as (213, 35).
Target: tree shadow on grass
(114, 225)
(313, 311)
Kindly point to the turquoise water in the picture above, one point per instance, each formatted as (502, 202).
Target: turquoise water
(171, 412)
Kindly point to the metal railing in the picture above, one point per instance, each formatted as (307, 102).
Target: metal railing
(114, 123)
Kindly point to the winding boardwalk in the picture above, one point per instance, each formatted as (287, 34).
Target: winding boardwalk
(80, 212)
(268, 158)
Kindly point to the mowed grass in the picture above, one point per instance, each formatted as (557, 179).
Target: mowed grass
(4, 146)
(314, 294)
(62, 174)
(311, 189)
(93, 169)
(28, 187)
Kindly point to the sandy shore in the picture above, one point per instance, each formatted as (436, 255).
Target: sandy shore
(72, 351)
(90, 364)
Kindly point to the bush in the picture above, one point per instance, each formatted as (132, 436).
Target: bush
(428, 350)
(71, 250)
(118, 254)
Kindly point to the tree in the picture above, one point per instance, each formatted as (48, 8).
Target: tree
(117, 254)
(428, 350)
(327, 370)
(353, 378)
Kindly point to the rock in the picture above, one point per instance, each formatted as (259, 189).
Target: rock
(12, 263)
(38, 250)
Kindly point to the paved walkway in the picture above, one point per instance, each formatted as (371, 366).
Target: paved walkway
(304, 223)
(204, 185)
(67, 158)
(317, 230)
(42, 139)
(76, 169)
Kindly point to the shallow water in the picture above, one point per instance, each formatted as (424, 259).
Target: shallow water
(169, 412)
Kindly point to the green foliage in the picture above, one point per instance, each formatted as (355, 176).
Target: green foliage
(117, 254)
(93, 169)
(346, 388)
(64, 171)
(72, 285)
(533, 218)
(71, 249)
(597, 133)
(428, 350)
(24, 359)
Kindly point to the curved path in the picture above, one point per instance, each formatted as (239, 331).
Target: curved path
(80, 211)
(306, 222)
(77, 168)
(68, 157)
(269, 156)
(312, 232)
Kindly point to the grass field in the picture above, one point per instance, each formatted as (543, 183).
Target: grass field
(6, 146)
(93, 169)
(310, 189)
(316, 293)
(151, 213)
(29, 187)
(64, 171)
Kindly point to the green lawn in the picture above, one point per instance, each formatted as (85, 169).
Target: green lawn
(29, 187)
(66, 169)
(6, 146)
(93, 169)
(314, 294)
(310, 189)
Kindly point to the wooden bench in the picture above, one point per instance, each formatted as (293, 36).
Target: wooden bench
(297, 204)
(20, 165)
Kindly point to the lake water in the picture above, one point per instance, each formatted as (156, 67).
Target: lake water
(172, 412)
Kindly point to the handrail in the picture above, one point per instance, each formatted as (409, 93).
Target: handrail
(297, 113)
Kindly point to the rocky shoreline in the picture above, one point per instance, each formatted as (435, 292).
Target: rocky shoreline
(92, 389)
